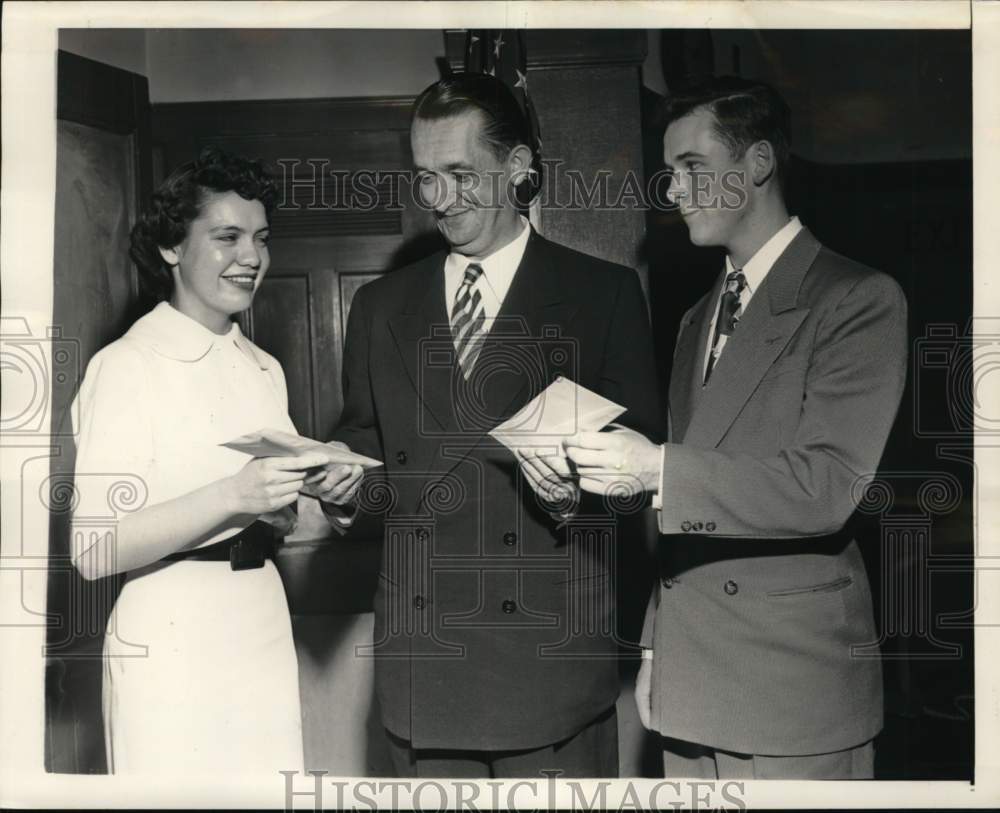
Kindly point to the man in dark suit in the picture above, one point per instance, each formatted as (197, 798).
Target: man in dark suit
(786, 380)
(494, 615)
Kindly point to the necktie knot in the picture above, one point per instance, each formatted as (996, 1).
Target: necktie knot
(473, 271)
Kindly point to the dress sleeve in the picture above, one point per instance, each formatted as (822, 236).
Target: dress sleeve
(114, 440)
(279, 382)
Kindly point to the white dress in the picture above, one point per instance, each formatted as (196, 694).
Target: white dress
(200, 669)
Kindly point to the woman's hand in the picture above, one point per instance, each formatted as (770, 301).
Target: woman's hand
(268, 483)
(339, 483)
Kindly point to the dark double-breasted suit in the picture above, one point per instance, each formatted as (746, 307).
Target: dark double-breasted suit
(494, 625)
(763, 591)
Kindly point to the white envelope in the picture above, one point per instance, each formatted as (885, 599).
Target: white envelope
(275, 443)
(562, 409)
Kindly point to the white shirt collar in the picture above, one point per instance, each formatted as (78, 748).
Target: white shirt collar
(176, 336)
(761, 262)
(498, 271)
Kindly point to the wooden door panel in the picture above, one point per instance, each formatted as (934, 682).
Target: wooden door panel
(349, 284)
(278, 323)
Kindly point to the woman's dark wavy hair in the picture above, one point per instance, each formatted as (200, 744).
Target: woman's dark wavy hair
(505, 124)
(179, 200)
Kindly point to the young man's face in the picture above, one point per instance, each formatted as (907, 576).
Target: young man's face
(709, 186)
(463, 182)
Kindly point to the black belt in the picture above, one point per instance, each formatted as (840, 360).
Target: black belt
(247, 550)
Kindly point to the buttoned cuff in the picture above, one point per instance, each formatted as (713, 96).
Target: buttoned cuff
(657, 498)
(341, 517)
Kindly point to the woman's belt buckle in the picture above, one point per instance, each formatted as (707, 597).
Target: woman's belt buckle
(246, 554)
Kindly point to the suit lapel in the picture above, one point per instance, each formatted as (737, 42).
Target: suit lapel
(511, 367)
(686, 376)
(536, 306)
(769, 322)
(417, 330)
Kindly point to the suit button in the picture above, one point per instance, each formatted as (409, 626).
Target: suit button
(401, 458)
(667, 582)
(697, 526)
(510, 538)
(685, 526)
(731, 588)
(423, 534)
(419, 603)
(710, 526)
(508, 606)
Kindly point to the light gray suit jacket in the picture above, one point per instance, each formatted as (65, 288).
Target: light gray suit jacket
(763, 591)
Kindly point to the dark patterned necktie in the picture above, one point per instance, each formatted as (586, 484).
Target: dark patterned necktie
(467, 318)
(726, 318)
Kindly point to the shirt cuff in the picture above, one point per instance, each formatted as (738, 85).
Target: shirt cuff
(657, 497)
(342, 516)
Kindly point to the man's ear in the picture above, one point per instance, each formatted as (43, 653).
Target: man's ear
(762, 162)
(170, 256)
(519, 163)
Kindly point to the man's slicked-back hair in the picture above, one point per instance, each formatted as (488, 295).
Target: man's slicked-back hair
(745, 112)
(505, 124)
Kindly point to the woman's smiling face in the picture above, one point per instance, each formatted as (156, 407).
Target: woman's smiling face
(221, 262)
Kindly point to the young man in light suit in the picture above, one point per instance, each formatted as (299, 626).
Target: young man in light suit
(786, 380)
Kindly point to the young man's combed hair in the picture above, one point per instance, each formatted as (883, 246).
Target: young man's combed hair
(745, 112)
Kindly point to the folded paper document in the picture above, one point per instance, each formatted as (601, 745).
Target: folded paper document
(275, 443)
(562, 409)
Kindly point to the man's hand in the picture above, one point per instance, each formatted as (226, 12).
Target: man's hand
(615, 460)
(337, 484)
(644, 694)
(549, 474)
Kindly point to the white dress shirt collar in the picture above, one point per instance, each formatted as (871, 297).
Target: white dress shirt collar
(755, 271)
(498, 272)
(764, 258)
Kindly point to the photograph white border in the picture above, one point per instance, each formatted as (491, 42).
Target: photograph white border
(30, 35)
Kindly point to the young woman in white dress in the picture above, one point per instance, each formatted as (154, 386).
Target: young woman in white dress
(200, 667)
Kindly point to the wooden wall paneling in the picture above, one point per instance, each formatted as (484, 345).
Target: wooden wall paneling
(282, 321)
(103, 167)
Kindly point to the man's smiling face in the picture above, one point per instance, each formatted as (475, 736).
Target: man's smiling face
(709, 186)
(461, 179)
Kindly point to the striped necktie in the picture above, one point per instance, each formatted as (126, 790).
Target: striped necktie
(467, 318)
(726, 318)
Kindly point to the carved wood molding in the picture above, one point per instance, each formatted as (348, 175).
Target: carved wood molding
(284, 116)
